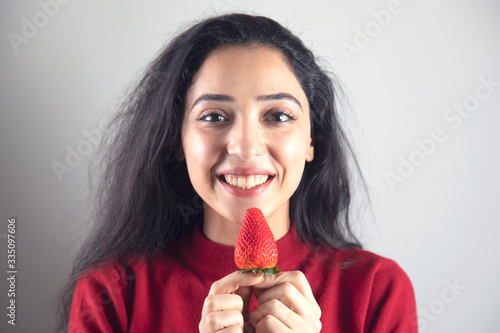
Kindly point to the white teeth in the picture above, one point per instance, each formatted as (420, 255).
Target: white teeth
(250, 182)
(247, 182)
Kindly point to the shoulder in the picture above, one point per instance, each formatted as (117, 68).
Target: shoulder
(372, 269)
(124, 271)
(115, 269)
(360, 272)
(116, 281)
(358, 260)
(383, 289)
(108, 282)
(104, 294)
(369, 292)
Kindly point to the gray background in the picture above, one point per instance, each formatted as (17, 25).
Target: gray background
(441, 223)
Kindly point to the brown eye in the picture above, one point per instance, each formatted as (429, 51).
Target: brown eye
(212, 117)
(281, 116)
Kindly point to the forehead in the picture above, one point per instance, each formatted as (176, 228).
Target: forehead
(254, 70)
(241, 56)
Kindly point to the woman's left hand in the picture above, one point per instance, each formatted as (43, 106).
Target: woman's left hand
(287, 304)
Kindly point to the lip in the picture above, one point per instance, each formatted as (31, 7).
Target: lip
(245, 172)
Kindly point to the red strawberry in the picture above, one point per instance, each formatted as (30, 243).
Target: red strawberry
(256, 248)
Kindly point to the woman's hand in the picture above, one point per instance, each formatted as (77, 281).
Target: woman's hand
(287, 304)
(226, 308)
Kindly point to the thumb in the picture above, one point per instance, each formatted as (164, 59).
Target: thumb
(240, 284)
(246, 294)
(246, 281)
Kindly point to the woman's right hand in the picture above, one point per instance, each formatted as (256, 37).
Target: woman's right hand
(226, 308)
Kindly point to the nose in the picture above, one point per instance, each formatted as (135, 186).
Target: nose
(246, 139)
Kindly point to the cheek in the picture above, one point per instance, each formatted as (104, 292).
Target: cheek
(292, 152)
(200, 151)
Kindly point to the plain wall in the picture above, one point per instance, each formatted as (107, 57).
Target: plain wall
(406, 79)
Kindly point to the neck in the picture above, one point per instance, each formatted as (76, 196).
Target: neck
(223, 231)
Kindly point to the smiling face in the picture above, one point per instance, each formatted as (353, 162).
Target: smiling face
(246, 138)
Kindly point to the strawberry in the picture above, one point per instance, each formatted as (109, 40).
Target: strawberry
(256, 248)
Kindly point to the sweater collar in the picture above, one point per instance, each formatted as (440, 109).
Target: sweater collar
(217, 260)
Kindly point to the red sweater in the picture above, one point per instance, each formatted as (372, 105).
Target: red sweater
(166, 293)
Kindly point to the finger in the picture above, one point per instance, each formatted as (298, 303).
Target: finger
(303, 317)
(216, 303)
(238, 284)
(287, 294)
(278, 310)
(248, 327)
(218, 321)
(230, 283)
(298, 280)
(270, 324)
(245, 293)
(231, 329)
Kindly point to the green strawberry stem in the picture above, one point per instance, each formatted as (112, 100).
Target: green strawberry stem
(266, 271)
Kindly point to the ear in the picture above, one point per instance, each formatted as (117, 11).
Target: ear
(310, 152)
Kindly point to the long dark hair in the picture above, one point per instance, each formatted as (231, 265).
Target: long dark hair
(145, 199)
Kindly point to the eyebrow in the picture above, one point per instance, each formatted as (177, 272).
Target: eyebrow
(262, 98)
(212, 97)
(279, 96)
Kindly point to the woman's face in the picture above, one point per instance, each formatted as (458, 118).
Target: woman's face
(246, 135)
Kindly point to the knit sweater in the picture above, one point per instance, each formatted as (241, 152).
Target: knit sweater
(357, 291)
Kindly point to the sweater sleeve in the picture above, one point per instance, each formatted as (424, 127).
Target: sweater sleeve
(392, 305)
(99, 301)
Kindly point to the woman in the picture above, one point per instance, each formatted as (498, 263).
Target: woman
(235, 113)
